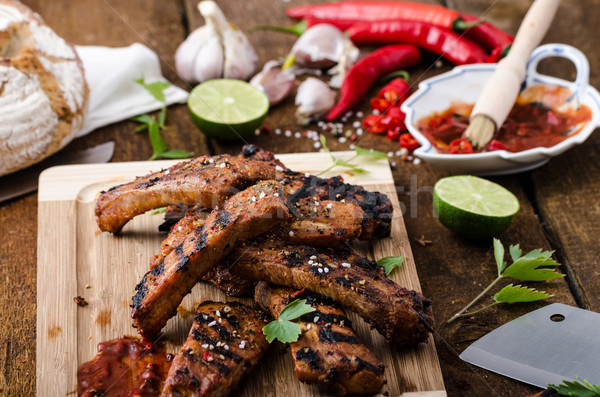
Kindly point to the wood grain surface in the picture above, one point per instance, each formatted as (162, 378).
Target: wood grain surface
(76, 259)
(559, 206)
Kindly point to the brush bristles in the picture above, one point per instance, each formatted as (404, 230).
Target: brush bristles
(480, 131)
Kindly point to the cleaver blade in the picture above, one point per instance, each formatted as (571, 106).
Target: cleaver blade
(555, 343)
(26, 181)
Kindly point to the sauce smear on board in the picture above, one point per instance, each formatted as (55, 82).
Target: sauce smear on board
(124, 367)
(534, 121)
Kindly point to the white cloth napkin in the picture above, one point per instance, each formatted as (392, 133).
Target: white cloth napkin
(114, 94)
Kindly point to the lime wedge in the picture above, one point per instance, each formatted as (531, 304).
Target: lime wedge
(472, 207)
(227, 109)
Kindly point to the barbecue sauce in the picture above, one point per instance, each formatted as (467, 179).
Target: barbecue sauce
(534, 121)
(124, 367)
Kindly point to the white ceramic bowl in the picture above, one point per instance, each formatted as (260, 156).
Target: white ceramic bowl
(463, 84)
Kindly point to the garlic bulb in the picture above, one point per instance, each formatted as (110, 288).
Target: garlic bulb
(215, 50)
(322, 46)
(314, 98)
(274, 82)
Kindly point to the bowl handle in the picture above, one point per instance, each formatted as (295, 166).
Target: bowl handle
(582, 66)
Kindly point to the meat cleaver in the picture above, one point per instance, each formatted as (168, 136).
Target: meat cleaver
(555, 343)
(26, 180)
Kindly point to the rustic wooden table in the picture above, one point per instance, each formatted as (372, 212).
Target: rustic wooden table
(559, 206)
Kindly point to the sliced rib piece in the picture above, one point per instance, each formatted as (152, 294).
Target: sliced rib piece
(205, 181)
(224, 344)
(245, 215)
(328, 351)
(400, 315)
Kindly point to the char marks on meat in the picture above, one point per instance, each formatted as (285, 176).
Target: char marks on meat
(400, 315)
(204, 181)
(328, 351)
(247, 214)
(224, 344)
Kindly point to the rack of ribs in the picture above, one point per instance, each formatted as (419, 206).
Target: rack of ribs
(247, 214)
(328, 351)
(402, 316)
(224, 344)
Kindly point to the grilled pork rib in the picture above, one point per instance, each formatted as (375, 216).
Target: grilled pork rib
(400, 315)
(224, 344)
(205, 181)
(328, 351)
(247, 214)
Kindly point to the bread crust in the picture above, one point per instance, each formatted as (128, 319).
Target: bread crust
(36, 63)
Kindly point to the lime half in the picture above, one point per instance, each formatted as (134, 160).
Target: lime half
(474, 208)
(227, 109)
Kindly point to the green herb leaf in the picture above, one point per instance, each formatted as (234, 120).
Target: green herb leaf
(389, 263)
(578, 388)
(175, 154)
(515, 252)
(295, 309)
(158, 144)
(375, 154)
(143, 118)
(532, 269)
(140, 128)
(351, 166)
(156, 89)
(499, 256)
(517, 293)
(162, 116)
(283, 328)
(158, 210)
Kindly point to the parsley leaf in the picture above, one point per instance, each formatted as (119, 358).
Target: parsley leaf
(283, 328)
(517, 293)
(578, 388)
(156, 89)
(536, 265)
(358, 151)
(389, 263)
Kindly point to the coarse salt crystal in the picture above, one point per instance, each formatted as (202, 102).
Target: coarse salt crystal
(211, 347)
(320, 270)
(226, 347)
(205, 346)
(211, 161)
(291, 233)
(297, 134)
(262, 195)
(359, 114)
(352, 147)
(223, 165)
(279, 168)
(308, 326)
(315, 319)
(288, 133)
(342, 139)
(326, 270)
(307, 175)
(317, 145)
(313, 257)
(310, 262)
(346, 264)
(276, 194)
(329, 205)
(277, 131)
(417, 161)
(242, 344)
(390, 154)
(218, 313)
(253, 198)
(356, 124)
(376, 112)
(212, 323)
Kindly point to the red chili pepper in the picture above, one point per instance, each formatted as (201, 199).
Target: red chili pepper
(369, 69)
(408, 142)
(380, 104)
(393, 132)
(296, 293)
(489, 37)
(395, 92)
(495, 145)
(461, 146)
(343, 13)
(444, 42)
(373, 124)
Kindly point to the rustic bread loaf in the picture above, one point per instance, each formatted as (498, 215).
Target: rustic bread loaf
(43, 92)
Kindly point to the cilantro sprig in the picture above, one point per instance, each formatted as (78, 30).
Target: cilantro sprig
(154, 125)
(389, 263)
(578, 388)
(536, 265)
(284, 329)
(337, 162)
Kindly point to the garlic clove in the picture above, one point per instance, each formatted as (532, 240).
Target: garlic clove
(240, 57)
(209, 60)
(314, 98)
(274, 82)
(187, 52)
(321, 46)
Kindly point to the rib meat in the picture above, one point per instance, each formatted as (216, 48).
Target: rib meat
(245, 215)
(224, 344)
(328, 351)
(205, 181)
(400, 315)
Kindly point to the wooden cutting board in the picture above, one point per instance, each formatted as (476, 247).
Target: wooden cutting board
(76, 258)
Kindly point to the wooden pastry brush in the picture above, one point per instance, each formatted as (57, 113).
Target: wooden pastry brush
(500, 91)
